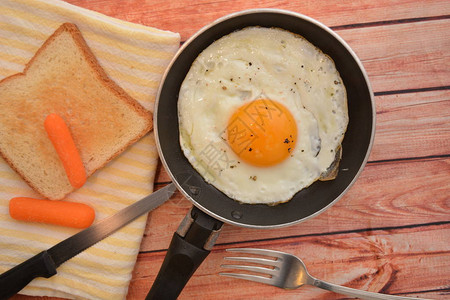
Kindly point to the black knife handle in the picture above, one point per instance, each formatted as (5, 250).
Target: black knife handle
(184, 256)
(15, 279)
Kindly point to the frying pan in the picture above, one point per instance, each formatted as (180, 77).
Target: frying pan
(197, 233)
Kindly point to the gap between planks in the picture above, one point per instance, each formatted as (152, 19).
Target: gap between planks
(389, 22)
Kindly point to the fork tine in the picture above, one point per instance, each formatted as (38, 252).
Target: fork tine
(255, 269)
(271, 253)
(256, 260)
(255, 278)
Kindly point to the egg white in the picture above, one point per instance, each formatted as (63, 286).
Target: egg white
(262, 63)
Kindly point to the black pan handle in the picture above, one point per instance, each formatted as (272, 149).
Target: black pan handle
(189, 247)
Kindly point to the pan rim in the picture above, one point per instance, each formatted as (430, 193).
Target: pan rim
(256, 11)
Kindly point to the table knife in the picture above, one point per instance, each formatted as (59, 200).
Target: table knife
(46, 262)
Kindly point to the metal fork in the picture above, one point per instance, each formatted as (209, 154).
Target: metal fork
(287, 271)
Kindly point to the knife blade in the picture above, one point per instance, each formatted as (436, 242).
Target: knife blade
(45, 263)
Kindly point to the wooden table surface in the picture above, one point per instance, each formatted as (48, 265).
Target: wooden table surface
(391, 232)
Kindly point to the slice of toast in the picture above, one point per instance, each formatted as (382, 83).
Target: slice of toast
(65, 78)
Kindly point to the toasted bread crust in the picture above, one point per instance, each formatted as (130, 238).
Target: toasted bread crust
(143, 115)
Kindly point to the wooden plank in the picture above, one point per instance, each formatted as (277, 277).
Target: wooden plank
(178, 16)
(412, 125)
(394, 62)
(380, 261)
(399, 193)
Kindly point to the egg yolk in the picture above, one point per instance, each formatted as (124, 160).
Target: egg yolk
(262, 133)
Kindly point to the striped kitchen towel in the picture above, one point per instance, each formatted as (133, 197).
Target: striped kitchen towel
(135, 57)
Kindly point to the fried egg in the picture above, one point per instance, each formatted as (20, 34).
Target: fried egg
(262, 113)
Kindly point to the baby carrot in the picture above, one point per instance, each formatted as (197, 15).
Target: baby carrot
(64, 213)
(60, 136)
